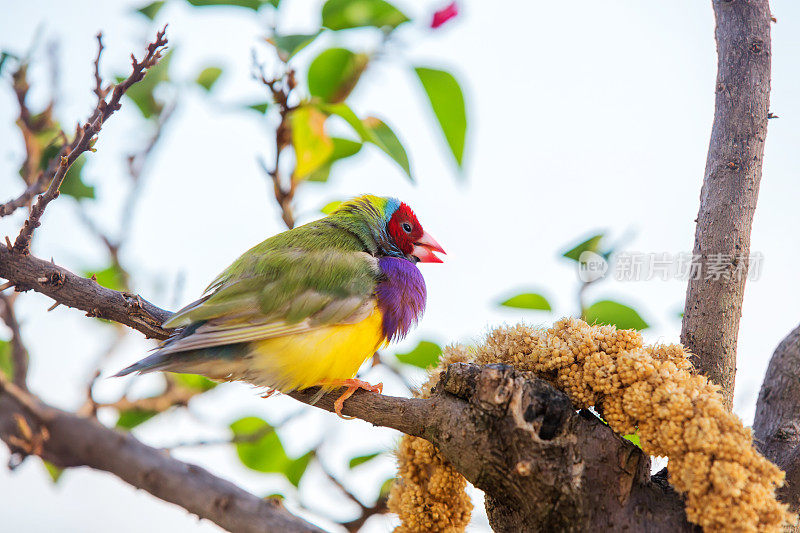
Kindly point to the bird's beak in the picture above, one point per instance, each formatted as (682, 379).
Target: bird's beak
(425, 247)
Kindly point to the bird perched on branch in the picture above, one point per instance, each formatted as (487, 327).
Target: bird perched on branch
(308, 306)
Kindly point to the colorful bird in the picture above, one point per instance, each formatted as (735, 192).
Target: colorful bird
(308, 306)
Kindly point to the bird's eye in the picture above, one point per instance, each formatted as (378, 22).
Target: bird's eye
(406, 227)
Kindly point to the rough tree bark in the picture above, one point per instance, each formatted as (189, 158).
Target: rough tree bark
(777, 422)
(730, 188)
(30, 427)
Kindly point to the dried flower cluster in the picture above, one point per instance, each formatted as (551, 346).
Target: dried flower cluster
(429, 494)
(728, 486)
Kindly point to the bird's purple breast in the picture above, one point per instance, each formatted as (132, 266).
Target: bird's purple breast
(401, 296)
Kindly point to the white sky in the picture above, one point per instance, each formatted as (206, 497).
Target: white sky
(583, 116)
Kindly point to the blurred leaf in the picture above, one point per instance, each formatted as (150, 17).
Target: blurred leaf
(73, 184)
(130, 419)
(591, 245)
(386, 487)
(6, 362)
(295, 469)
(615, 313)
(289, 45)
(361, 459)
(344, 14)
(372, 130)
(275, 496)
(141, 93)
(54, 471)
(447, 102)
(425, 355)
(384, 138)
(634, 438)
(194, 382)
(261, 108)
(330, 207)
(261, 449)
(208, 77)
(151, 10)
(528, 300)
(110, 277)
(249, 4)
(334, 73)
(312, 146)
(342, 148)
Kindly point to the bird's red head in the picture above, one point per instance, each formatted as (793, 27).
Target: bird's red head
(409, 236)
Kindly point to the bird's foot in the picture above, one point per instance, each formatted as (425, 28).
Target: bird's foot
(352, 386)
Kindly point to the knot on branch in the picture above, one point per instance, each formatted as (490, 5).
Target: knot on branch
(501, 391)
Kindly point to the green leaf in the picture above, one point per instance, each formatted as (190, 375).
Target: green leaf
(634, 438)
(591, 244)
(289, 45)
(344, 14)
(151, 10)
(528, 300)
(295, 469)
(208, 77)
(447, 102)
(255, 5)
(334, 73)
(260, 107)
(361, 459)
(425, 355)
(342, 148)
(259, 448)
(386, 487)
(6, 362)
(73, 184)
(194, 382)
(615, 313)
(130, 419)
(374, 131)
(141, 93)
(384, 138)
(330, 207)
(110, 277)
(54, 471)
(312, 146)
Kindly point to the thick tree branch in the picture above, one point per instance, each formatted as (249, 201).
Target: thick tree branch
(28, 272)
(68, 440)
(541, 465)
(777, 421)
(730, 188)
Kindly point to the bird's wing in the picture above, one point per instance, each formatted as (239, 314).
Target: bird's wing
(273, 291)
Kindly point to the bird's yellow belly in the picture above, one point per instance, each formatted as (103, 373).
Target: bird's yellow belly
(307, 359)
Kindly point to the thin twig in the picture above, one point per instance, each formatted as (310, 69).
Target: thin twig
(19, 354)
(85, 136)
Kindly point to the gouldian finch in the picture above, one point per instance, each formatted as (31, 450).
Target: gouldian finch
(308, 306)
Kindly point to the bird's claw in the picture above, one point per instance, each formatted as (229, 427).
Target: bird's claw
(352, 386)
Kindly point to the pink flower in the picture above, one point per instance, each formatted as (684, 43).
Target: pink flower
(444, 14)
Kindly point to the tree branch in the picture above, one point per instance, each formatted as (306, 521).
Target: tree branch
(85, 135)
(730, 188)
(28, 272)
(519, 439)
(777, 422)
(19, 354)
(68, 440)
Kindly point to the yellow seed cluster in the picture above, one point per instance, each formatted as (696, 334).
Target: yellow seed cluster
(728, 486)
(429, 494)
